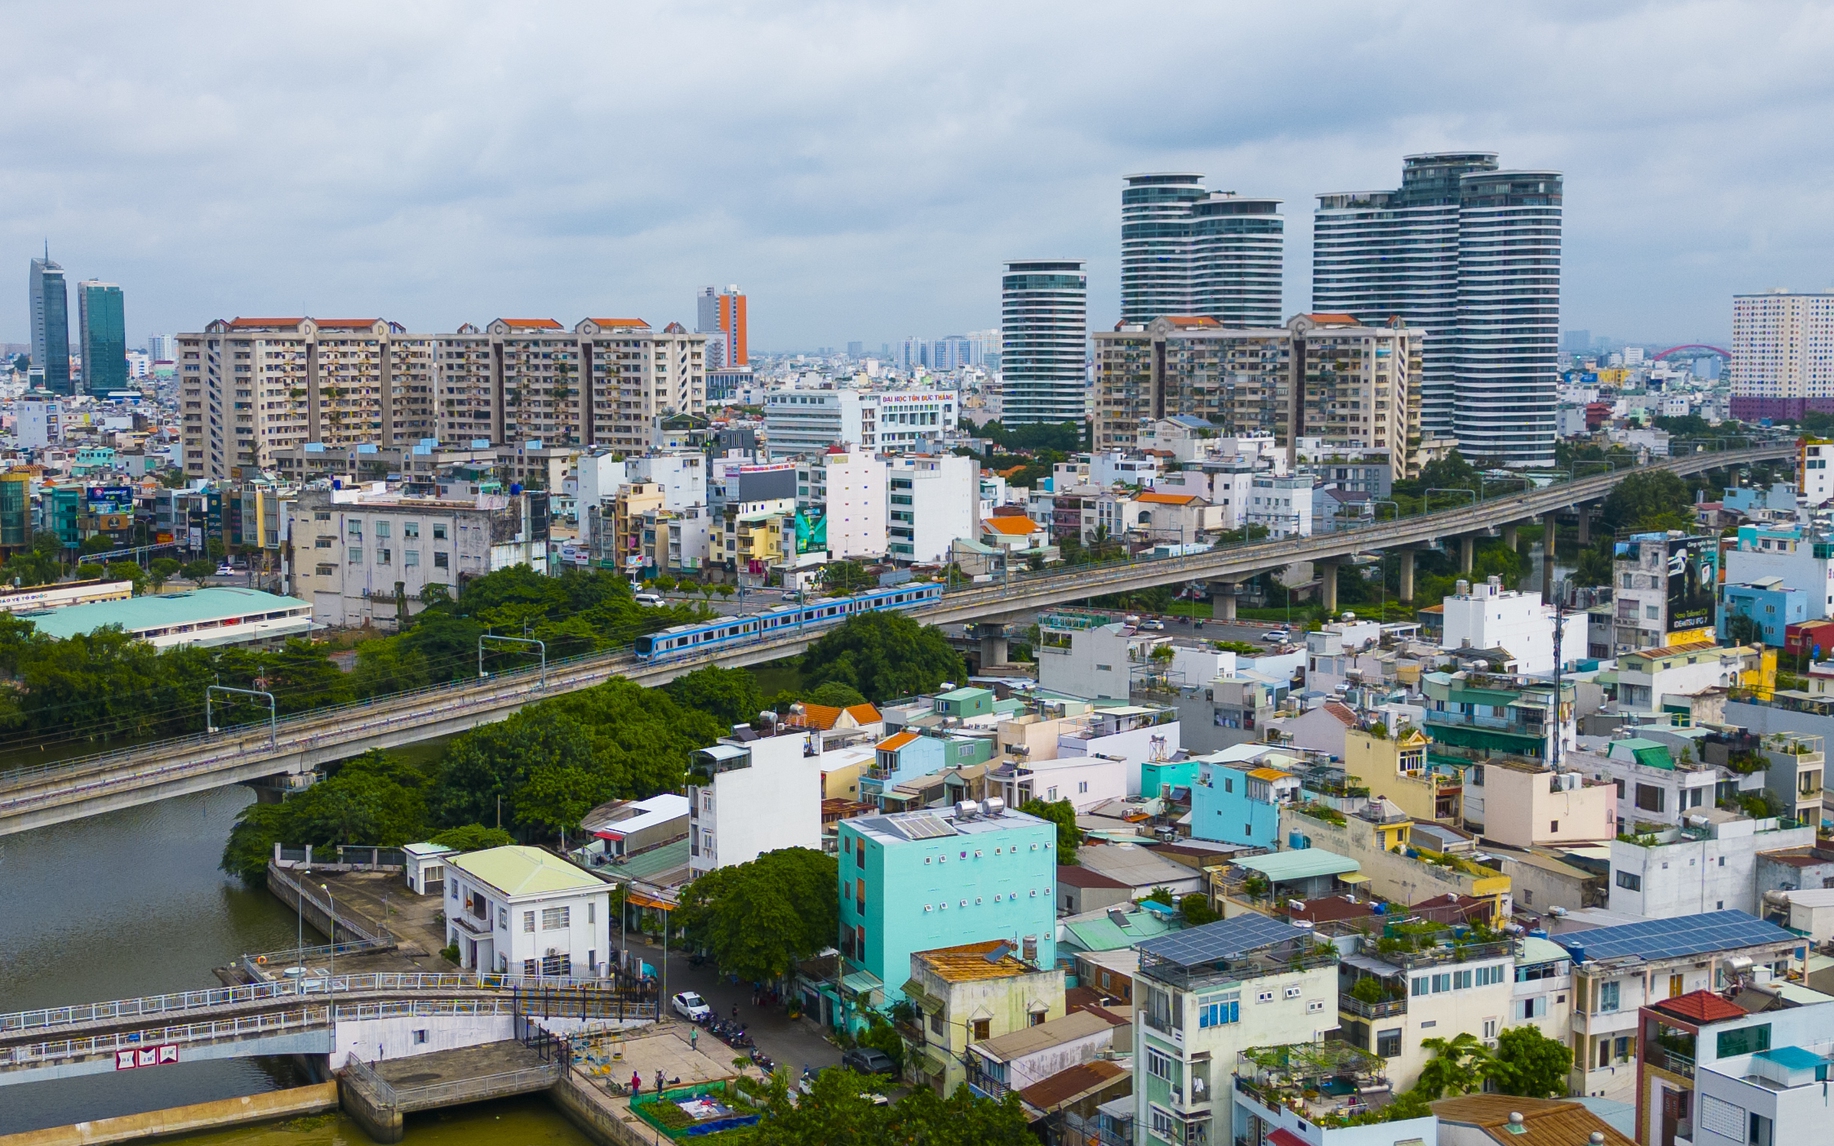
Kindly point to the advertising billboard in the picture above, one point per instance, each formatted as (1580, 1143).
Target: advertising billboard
(1693, 577)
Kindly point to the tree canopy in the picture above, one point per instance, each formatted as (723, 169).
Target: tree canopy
(1529, 1064)
(730, 696)
(1069, 836)
(839, 1109)
(1648, 500)
(373, 799)
(554, 761)
(759, 919)
(883, 656)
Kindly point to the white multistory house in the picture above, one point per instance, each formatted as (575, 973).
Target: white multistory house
(1205, 995)
(798, 421)
(931, 501)
(753, 793)
(1488, 616)
(1281, 504)
(527, 912)
(846, 488)
(368, 555)
(1708, 864)
(1619, 969)
(1435, 991)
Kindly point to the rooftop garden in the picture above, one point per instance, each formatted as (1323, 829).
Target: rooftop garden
(1331, 1083)
(1321, 812)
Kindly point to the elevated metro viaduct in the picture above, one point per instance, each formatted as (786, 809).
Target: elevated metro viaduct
(37, 797)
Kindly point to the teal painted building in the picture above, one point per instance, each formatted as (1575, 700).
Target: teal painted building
(915, 881)
(1154, 776)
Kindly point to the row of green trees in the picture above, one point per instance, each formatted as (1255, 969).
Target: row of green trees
(105, 685)
(1525, 1063)
(539, 772)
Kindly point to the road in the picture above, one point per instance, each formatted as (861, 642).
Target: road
(793, 1045)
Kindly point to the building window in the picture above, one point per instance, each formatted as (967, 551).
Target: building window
(1649, 798)
(382, 529)
(1158, 1064)
(384, 557)
(503, 918)
(1218, 1010)
(410, 557)
(1607, 997)
(410, 530)
(441, 561)
(1629, 881)
(439, 533)
(554, 918)
(528, 921)
(1388, 1043)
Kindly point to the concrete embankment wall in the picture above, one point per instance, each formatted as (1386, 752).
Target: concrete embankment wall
(193, 1119)
(605, 1120)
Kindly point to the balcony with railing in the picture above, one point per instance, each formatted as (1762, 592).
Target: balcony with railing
(1326, 1084)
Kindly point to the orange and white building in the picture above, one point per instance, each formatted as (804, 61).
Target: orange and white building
(249, 387)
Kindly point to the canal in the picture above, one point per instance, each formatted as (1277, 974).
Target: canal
(132, 903)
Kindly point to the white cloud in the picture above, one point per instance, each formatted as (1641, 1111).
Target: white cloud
(861, 170)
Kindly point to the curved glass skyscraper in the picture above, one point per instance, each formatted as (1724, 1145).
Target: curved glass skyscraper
(1471, 255)
(1044, 340)
(1188, 251)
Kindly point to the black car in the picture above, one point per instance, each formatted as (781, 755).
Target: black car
(866, 1060)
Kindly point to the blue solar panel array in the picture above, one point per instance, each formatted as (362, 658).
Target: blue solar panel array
(1227, 939)
(1673, 938)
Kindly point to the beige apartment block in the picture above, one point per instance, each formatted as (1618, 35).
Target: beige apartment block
(1321, 375)
(249, 387)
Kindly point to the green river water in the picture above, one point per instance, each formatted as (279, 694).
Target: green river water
(132, 903)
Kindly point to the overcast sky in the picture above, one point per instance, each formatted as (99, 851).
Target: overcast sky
(861, 170)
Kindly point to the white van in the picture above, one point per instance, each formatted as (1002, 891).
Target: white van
(652, 599)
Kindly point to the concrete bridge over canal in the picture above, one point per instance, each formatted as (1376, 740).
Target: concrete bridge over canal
(56, 793)
(374, 1016)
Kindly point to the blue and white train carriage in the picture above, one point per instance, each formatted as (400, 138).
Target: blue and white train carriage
(685, 639)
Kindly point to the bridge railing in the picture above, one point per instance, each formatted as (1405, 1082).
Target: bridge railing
(467, 694)
(243, 1026)
(116, 1010)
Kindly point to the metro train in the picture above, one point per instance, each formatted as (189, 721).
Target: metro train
(685, 639)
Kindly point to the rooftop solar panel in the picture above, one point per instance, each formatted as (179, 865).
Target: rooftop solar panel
(920, 825)
(1226, 939)
(1674, 938)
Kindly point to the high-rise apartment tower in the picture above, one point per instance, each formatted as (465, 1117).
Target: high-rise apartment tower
(50, 303)
(1210, 254)
(1782, 354)
(1044, 340)
(722, 313)
(102, 335)
(1471, 255)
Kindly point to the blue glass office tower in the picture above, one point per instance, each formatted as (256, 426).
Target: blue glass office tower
(102, 334)
(50, 303)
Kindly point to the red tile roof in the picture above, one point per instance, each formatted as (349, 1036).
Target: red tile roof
(618, 322)
(250, 323)
(1077, 876)
(1701, 1007)
(530, 323)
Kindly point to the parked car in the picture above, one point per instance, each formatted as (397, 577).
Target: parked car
(652, 599)
(691, 1006)
(866, 1060)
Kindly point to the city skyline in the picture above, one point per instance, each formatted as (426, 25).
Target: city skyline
(870, 224)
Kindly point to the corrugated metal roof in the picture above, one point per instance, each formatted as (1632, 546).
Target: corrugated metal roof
(517, 870)
(1306, 863)
(138, 614)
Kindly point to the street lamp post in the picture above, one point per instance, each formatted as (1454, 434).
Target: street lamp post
(331, 965)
